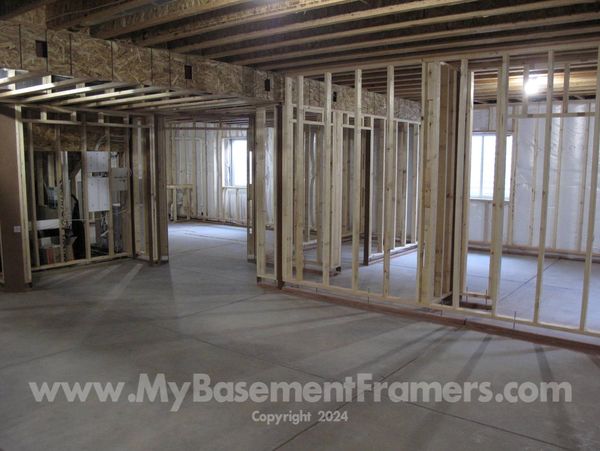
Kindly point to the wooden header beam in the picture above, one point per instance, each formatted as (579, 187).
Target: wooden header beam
(89, 59)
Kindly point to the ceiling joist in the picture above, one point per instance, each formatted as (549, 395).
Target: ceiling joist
(12, 8)
(171, 11)
(319, 23)
(193, 27)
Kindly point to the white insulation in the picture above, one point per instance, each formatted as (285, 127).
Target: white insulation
(198, 159)
(569, 186)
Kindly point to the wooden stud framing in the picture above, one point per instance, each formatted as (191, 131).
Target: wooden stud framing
(111, 226)
(429, 181)
(466, 188)
(462, 166)
(582, 187)
(33, 199)
(499, 185)
(337, 174)
(251, 194)
(299, 181)
(277, 201)
(153, 195)
(513, 184)
(592, 208)
(287, 181)
(356, 176)
(60, 165)
(534, 177)
(85, 214)
(368, 190)
(402, 183)
(389, 238)
(445, 177)
(326, 177)
(220, 188)
(415, 150)
(260, 151)
(560, 152)
(545, 188)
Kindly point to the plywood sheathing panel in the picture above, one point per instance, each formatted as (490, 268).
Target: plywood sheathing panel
(70, 138)
(91, 57)
(216, 77)
(177, 65)
(372, 103)
(10, 52)
(79, 55)
(258, 78)
(59, 52)
(44, 136)
(131, 63)
(30, 60)
(161, 75)
(407, 109)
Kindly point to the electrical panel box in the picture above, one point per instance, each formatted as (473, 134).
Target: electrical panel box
(119, 179)
(97, 162)
(98, 194)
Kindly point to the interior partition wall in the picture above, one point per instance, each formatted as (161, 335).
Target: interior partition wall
(355, 184)
(350, 192)
(91, 185)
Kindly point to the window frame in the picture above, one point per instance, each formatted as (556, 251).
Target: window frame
(228, 172)
(508, 173)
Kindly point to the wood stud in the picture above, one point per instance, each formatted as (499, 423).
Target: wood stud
(592, 208)
(499, 185)
(356, 176)
(545, 188)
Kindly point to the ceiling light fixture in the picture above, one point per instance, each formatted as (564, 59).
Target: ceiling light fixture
(535, 85)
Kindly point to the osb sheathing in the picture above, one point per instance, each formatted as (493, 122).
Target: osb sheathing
(70, 138)
(216, 77)
(161, 72)
(131, 63)
(91, 58)
(177, 66)
(59, 52)
(56, 137)
(79, 55)
(407, 109)
(258, 78)
(44, 136)
(10, 51)
(372, 103)
(31, 61)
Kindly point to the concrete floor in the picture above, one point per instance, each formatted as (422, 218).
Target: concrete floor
(203, 313)
(561, 293)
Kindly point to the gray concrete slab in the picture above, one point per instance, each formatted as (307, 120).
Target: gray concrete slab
(204, 313)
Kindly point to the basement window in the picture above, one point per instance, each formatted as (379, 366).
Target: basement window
(235, 164)
(483, 162)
